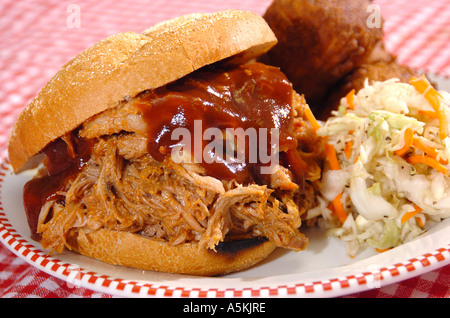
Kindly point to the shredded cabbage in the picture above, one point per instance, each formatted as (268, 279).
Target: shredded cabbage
(390, 198)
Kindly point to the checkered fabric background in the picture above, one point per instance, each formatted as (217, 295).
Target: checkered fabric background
(38, 36)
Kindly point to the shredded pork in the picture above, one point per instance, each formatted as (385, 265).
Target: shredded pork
(122, 188)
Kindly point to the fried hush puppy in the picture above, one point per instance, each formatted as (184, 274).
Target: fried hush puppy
(327, 48)
(319, 42)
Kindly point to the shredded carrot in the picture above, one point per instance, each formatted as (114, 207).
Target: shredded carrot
(409, 215)
(423, 86)
(311, 118)
(419, 220)
(408, 142)
(432, 152)
(429, 113)
(331, 207)
(332, 157)
(351, 99)
(348, 149)
(339, 209)
(429, 161)
(381, 250)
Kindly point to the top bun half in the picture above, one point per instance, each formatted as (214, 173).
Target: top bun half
(123, 65)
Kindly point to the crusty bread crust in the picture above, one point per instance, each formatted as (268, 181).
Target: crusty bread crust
(131, 250)
(126, 64)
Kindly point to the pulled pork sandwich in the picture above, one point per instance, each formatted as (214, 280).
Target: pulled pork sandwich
(100, 134)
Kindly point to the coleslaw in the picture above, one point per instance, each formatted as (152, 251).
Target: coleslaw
(386, 177)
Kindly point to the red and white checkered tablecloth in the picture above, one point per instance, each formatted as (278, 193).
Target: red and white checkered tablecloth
(38, 36)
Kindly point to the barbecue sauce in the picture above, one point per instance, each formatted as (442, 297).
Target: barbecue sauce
(63, 161)
(248, 96)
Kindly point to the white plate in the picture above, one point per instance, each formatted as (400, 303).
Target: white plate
(323, 270)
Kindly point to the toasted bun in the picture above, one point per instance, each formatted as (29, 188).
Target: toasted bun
(131, 250)
(126, 64)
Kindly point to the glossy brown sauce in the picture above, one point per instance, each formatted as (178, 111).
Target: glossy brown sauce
(63, 164)
(249, 96)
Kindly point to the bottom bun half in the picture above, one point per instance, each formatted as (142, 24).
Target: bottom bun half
(131, 250)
